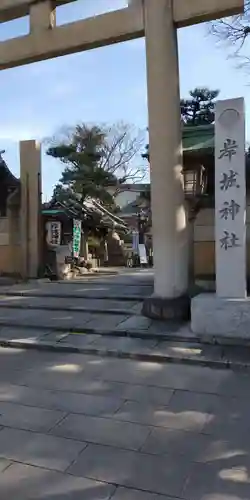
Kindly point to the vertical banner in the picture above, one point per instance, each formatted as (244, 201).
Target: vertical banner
(230, 199)
(77, 228)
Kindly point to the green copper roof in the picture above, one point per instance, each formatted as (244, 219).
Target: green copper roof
(199, 138)
(53, 211)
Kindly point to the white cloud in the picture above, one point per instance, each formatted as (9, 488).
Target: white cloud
(19, 133)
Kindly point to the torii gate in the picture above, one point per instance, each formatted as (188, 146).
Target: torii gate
(158, 21)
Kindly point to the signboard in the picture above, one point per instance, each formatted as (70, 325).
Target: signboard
(54, 230)
(77, 228)
(230, 199)
(135, 240)
(142, 254)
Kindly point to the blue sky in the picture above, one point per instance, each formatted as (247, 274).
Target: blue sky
(103, 85)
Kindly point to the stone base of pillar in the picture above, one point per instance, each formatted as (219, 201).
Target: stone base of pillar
(212, 316)
(167, 309)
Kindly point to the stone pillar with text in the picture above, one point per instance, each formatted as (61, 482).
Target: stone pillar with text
(227, 312)
(230, 199)
(30, 160)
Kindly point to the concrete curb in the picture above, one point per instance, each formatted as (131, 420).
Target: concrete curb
(136, 334)
(153, 358)
(101, 282)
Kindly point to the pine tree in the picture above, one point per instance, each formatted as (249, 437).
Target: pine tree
(199, 110)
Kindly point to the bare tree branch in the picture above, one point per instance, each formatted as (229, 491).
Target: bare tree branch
(122, 151)
(233, 33)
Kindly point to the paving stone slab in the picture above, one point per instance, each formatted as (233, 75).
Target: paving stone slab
(87, 382)
(161, 416)
(218, 481)
(65, 302)
(105, 322)
(174, 442)
(227, 416)
(102, 431)
(23, 361)
(24, 482)
(105, 286)
(232, 424)
(173, 376)
(167, 327)
(3, 465)
(41, 450)
(60, 381)
(22, 333)
(134, 323)
(93, 397)
(60, 319)
(45, 319)
(12, 391)
(131, 494)
(76, 340)
(188, 350)
(15, 316)
(52, 336)
(195, 402)
(80, 290)
(150, 473)
(146, 394)
(123, 344)
(136, 309)
(235, 384)
(24, 417)
(70, 402)
(237, 354)
(236, 450)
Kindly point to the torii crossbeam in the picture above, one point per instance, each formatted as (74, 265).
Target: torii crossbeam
(46, 40)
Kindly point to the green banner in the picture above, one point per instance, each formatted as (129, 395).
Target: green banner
(77, 228)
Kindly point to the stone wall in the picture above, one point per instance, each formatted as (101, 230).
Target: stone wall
(10, 261)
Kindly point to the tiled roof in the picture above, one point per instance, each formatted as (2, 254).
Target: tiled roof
(199, 138)
(6, 175)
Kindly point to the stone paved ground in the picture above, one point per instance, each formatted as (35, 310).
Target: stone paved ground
(100, 303)
(106, 310)
(76, 427)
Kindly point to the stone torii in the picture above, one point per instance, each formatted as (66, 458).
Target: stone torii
(158, 21)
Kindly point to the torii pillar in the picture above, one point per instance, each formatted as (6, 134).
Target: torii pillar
(30, 216)
(170, 240)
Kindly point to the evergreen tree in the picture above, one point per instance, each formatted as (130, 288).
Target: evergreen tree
(199, 109)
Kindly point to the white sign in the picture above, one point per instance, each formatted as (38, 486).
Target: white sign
(230, 199)
(142, 253)
(135, 240)
(54, 229)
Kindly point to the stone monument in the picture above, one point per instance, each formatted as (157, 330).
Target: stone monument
(228, 311)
